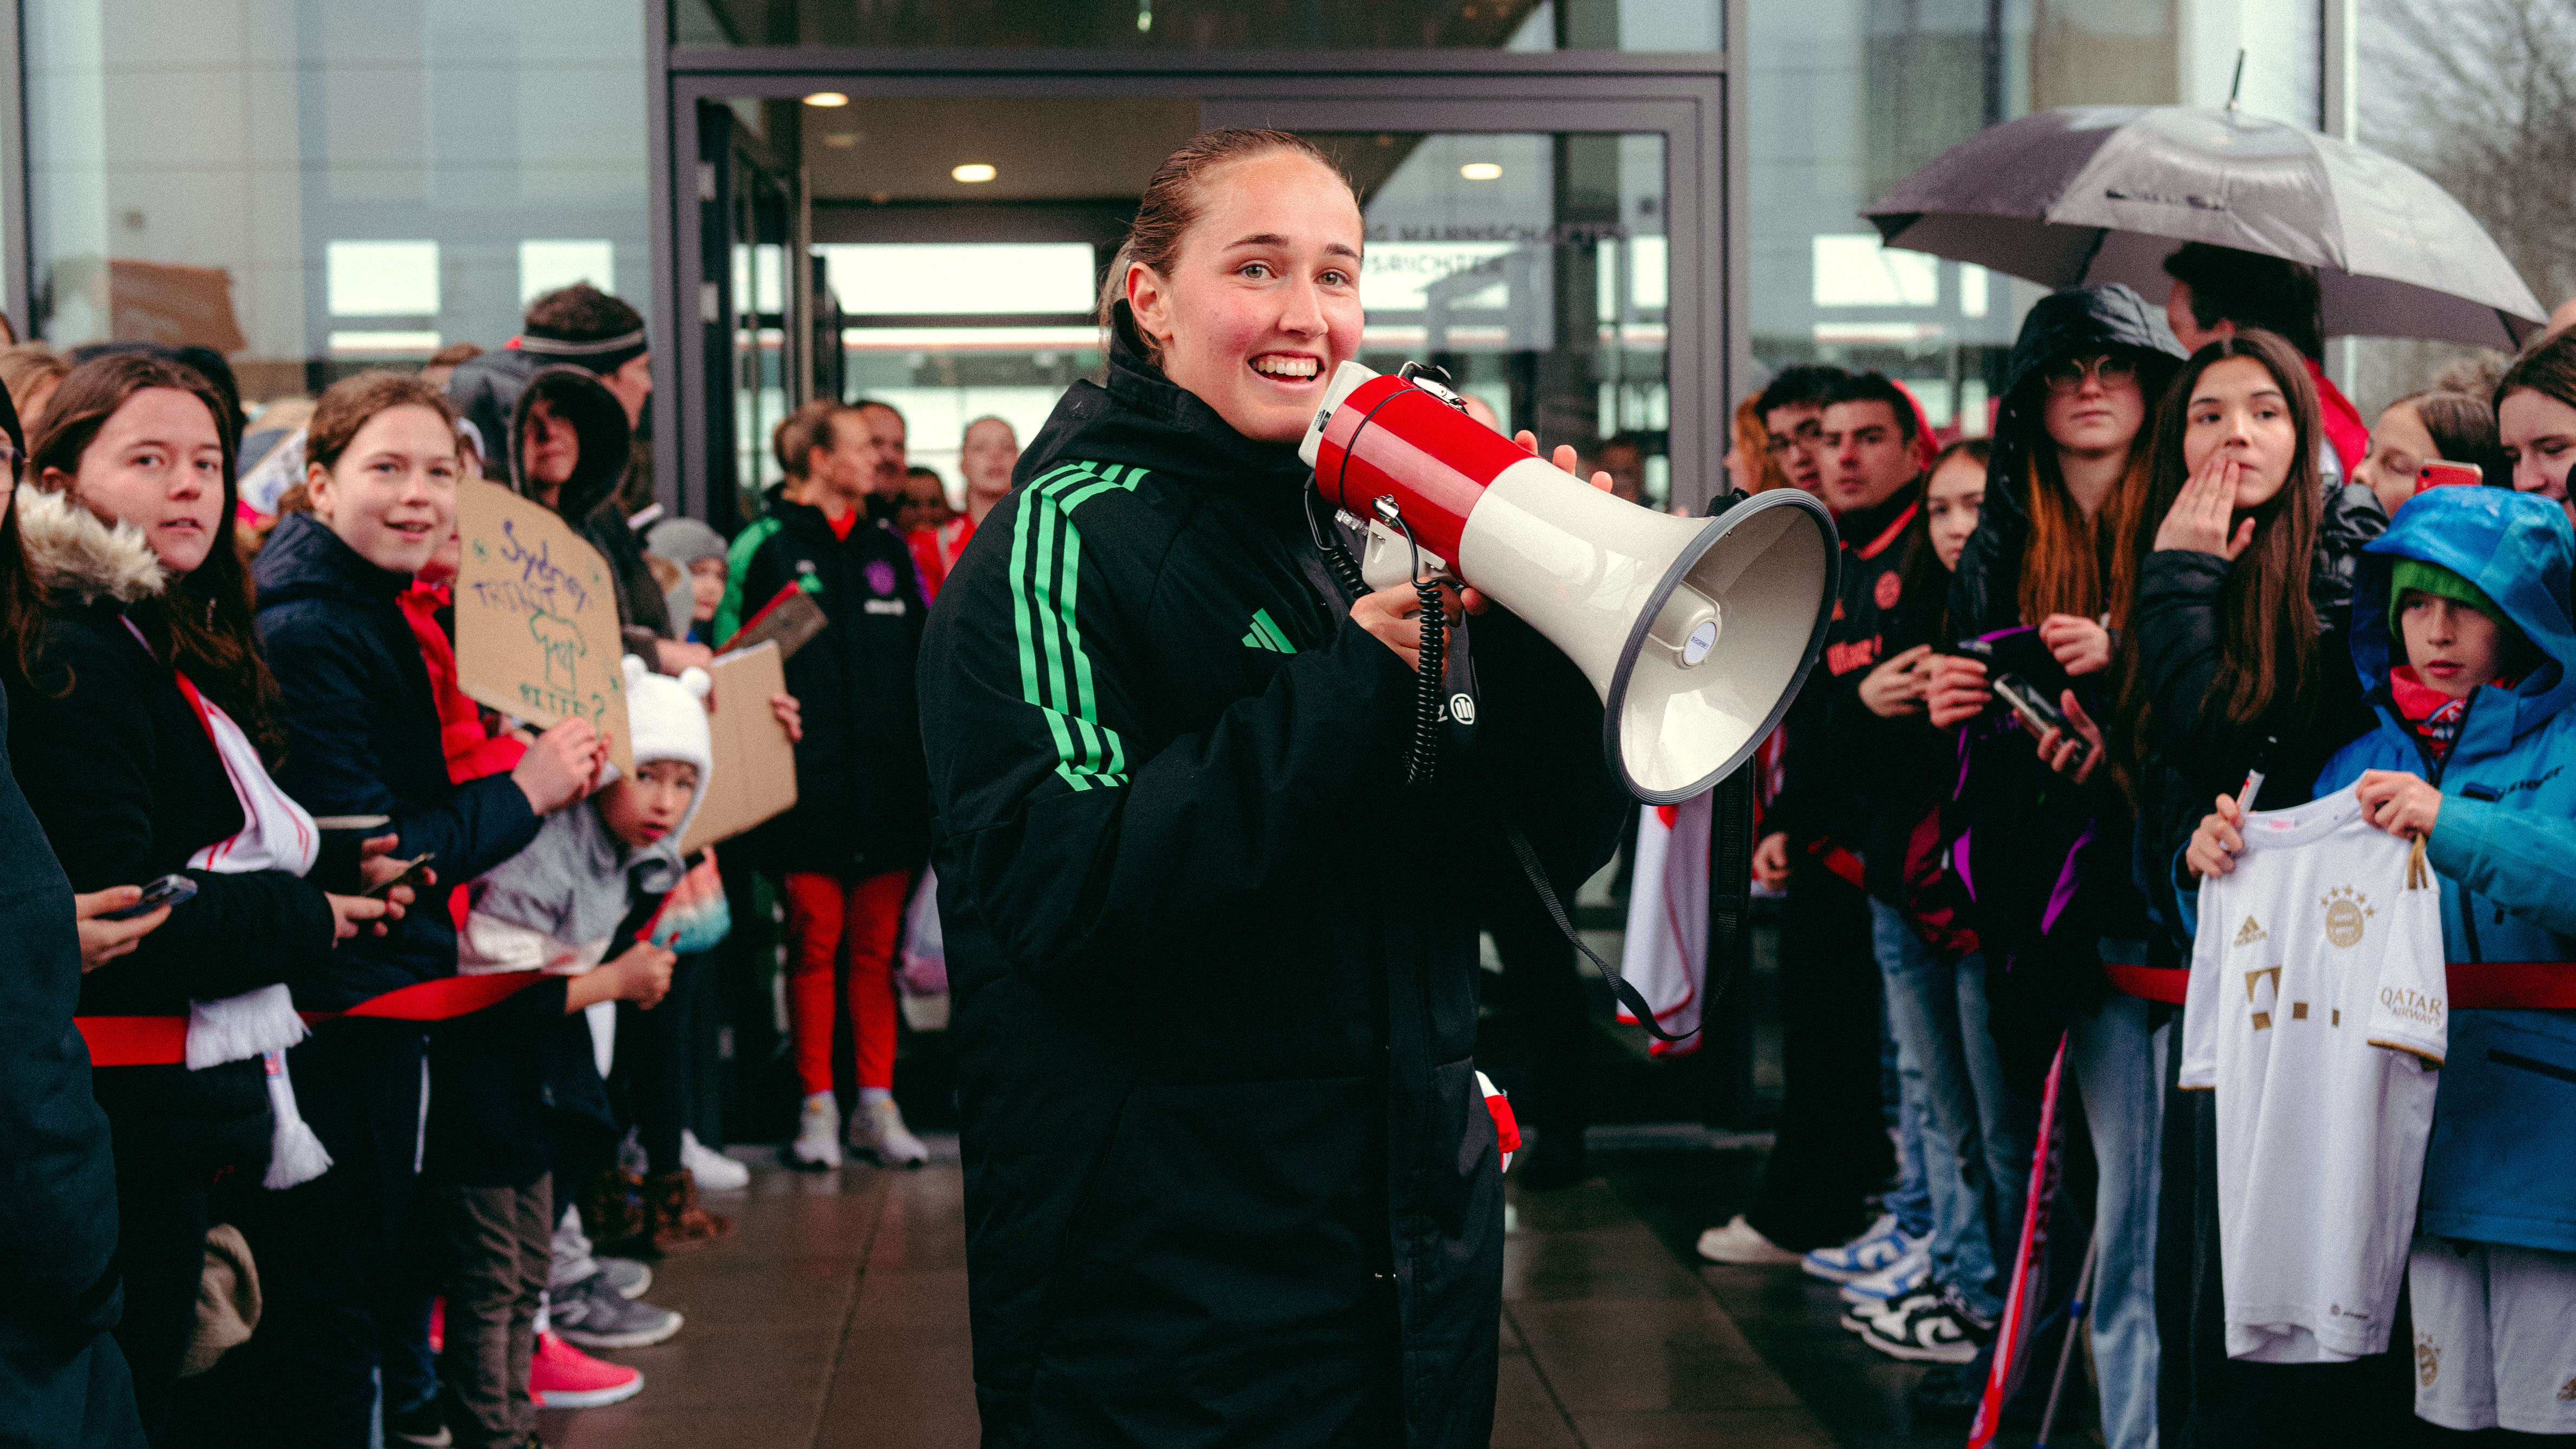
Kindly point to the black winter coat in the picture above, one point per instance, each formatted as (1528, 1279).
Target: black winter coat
(121, 774)
(494, 392)
(57, 1180)
(62, 1379)
(2192, 752)
(363, 739)
(1823, 804)
(862, 791)
(1229, 1176)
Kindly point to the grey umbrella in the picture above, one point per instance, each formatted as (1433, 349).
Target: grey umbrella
(2105, 193)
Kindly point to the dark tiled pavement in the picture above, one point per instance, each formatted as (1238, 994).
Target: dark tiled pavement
(835, 1317)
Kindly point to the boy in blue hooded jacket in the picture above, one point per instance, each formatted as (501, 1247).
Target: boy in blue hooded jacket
(2472, 754)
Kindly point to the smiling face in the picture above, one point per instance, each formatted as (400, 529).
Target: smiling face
(2453, 647)
(2399, 444)
(1869, 455)
(1952, 498)
(2095, 406)
(392, 496)
(158, 464)
(2238, 408)
(1263, 300)
(2539, 435)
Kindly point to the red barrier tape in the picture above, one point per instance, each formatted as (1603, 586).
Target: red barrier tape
(2475, 985)
(159, 1041)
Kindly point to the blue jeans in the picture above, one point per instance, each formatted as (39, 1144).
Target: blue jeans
(2119, 1070)
(1975, 1140)
(1900, 1093)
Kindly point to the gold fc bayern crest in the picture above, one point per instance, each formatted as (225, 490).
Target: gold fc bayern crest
(2346, 910)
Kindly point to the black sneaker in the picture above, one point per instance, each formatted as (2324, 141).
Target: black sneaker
(419, 1427)
(1937, 1330)
(1946, 1396)
(1857, 1317)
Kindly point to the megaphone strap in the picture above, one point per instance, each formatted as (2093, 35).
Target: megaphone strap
(1630, 998)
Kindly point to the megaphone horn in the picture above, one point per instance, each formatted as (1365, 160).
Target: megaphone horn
(1696, 632)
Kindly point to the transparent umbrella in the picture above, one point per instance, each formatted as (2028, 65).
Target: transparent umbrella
(2105, 193)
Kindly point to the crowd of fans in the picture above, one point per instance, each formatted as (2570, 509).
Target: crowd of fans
(308, 1205)
(227, 644)
(2250, 603)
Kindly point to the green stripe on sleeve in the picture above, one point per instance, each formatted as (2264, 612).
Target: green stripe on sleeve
(1055, 670)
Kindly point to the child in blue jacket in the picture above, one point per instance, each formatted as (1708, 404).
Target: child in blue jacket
(2472, 753)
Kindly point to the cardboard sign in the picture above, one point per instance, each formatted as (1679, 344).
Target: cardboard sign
(536, 617)
(792, 619)
(755, 764)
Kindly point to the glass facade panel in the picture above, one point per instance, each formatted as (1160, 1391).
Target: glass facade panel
(1148, 25)
(316, 188)
(1850, 96)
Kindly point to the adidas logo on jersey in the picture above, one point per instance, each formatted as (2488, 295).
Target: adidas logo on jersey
(2249, 933)
(1266, 635)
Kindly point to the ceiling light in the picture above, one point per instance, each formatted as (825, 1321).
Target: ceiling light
(1481, 171)
(827, 99)
(971, 172)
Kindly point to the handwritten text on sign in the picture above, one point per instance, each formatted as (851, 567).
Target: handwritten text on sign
(536, 616)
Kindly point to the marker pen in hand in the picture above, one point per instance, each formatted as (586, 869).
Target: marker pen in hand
(2254, 776)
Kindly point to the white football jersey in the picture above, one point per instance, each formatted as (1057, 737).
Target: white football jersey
(2317, 1011)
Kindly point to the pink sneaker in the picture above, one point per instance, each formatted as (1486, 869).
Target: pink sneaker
(563, 1377)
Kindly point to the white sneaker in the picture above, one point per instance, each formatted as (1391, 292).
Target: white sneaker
(1873, 1250)
(1893, 1281)
(715, 1171)
(1741, 1243)
(817, 1147)
(877, 1129)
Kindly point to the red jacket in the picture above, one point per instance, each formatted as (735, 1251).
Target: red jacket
(935, 551)
(2344, 428)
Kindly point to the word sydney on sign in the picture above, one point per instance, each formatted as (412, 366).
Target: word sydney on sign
(536, 617)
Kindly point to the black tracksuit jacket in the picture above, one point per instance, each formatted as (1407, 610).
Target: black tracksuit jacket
(862, 800)
(1229, 1176)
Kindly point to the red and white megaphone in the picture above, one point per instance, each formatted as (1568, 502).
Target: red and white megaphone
(1696, 631)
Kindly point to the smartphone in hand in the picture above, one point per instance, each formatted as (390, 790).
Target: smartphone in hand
(415, 874)
(2437, 473)
(169, 890)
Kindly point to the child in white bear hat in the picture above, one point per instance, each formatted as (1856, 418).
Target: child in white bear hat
(555, 907)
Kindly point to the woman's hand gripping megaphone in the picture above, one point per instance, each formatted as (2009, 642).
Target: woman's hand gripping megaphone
(1394, 614)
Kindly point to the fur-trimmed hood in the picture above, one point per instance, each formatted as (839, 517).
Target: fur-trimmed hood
(76, 555)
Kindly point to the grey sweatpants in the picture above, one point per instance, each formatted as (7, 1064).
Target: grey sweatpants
(499, 1242)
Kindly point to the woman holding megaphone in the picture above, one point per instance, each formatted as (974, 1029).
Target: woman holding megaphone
(1230, 1173)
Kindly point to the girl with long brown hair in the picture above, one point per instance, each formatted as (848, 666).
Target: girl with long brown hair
(2044, 841)
(141, 731)
(2237, 660)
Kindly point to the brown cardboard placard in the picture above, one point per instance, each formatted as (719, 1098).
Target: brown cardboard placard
(755, 764)
(536, 617)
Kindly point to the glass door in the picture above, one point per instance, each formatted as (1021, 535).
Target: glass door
(757, 356)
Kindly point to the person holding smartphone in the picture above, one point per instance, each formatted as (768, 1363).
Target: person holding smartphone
(144, 655)
(1230, 1175)
(2426, 429)
(2044, 576)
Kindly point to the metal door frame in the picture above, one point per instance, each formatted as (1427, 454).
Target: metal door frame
(1688, 97)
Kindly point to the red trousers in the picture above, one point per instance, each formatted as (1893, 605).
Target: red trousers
(826, 917)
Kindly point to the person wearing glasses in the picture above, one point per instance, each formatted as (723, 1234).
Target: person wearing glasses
(2068, 476)
(1793, 413)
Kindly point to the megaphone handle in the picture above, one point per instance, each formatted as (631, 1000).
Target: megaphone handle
(1628, 995)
